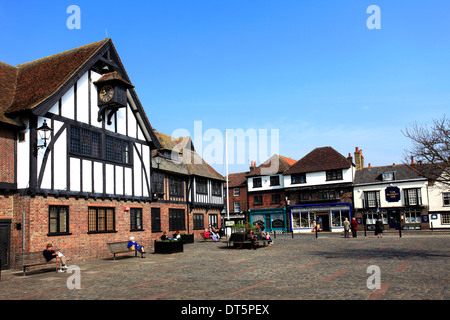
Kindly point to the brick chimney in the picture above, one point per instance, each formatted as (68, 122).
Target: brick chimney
(252, 165)
(359, 159)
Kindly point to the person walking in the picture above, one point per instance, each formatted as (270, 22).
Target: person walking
(346, 224)
(354, 227)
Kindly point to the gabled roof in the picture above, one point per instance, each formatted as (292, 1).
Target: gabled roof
(375, 174)
(189, 161)
(38, 80)
(320, 159)
(36, 86)
(275, 164)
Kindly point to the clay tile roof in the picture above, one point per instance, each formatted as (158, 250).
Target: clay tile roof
(111, 76)
(8, 76)
(38, 80)
(189, 162)
(320, 159)
(275, 164)
(237, 179)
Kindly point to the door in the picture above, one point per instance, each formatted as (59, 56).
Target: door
(5, 234)
(393, 218)
(324, 220)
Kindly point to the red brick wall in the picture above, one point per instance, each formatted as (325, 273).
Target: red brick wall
(267, 200)
(80, 245)
(242, 198)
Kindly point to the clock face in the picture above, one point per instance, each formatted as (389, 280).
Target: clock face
(106, 93)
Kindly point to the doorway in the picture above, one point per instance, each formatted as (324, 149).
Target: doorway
(323, 218)
(393, 218)
(5, 238)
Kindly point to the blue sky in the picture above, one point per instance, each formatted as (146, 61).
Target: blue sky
(311, 69)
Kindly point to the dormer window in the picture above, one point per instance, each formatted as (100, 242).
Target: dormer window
(388, 176)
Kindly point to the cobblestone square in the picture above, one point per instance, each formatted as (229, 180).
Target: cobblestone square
(330, 267)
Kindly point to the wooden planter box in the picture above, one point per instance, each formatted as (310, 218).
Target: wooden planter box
(187, 238)
(168, 246)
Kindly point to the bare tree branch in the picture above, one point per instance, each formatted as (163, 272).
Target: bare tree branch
(430, 151)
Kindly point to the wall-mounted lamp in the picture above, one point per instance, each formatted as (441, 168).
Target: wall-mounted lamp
(44, 134)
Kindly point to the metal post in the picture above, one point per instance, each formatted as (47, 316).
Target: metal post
(316, 232)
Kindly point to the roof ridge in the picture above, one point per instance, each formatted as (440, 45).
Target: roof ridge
(22, 65)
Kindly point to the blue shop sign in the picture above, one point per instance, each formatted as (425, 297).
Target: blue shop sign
(392, 194)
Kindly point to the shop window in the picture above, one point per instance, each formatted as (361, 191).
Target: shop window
(445, 218)
(412, 216)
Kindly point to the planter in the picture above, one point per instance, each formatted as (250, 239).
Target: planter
(187, 238)
(168, 246)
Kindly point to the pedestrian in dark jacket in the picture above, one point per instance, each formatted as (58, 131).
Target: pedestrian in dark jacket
(379, 228)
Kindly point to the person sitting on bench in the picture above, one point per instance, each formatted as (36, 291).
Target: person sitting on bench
(133, 245)
(50, 254)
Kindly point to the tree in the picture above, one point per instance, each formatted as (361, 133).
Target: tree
(430, 150)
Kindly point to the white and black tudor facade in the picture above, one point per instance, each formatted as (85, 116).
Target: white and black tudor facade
(76, 150)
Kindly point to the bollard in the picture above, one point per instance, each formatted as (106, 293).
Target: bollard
(316, 232)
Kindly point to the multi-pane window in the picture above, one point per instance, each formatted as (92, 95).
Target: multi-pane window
(445, 218)
(371, 199)
(158, 182)
(446, 198)
(413, 197)
(177, 220)
(198, 221)
(298, 178)
(275, 180)
(58, 219)
(84, 142)
(334, 174)
(201, 186)
(257, 200)
(156, 219)
(236, 192)
(276, 198)
(176, 187)
(412, 216)
(101, 219)
(257, 182)
(216, 188)
(237, 206)
(213, 221)
(117, 150)
(136, 219)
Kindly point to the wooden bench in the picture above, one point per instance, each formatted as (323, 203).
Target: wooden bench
(239, 240)
(31, 259)
(119, 247)
(241, 244)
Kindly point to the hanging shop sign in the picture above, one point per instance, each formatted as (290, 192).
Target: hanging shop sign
(392, 194)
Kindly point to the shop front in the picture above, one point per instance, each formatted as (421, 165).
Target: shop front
(269, 220)
(327, 217)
